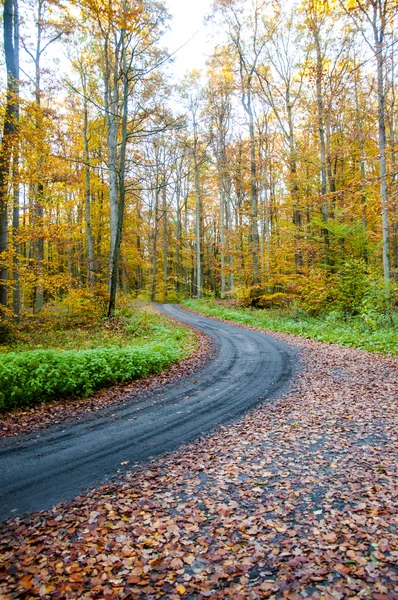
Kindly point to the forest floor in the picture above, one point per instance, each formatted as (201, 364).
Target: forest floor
(299, 499)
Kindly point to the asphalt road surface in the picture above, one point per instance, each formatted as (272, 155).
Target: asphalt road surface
(39, 470)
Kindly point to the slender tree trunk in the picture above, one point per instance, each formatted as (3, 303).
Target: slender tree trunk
(228, 229)
(197, 223)
(178, 239)
(321, 126)
(39, 193)
(188, 287)
(121, 183)
(221, 175)
(253, 191)
(394, 184)
(89, 235)
(164, 210)
(111, 118)
(362, 166)
(154, 248)
(8, 138)
(379, 39)
(16, 300)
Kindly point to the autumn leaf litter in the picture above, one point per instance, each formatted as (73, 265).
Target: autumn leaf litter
(298, 499)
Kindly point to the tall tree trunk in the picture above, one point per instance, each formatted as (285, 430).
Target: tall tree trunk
(121, 183)
(165, 271)
(39, 192)
(87, 169)
(178, 238)
(321, 126)
(379, 46)
(154, 247)
(394, 190)
(16, 299)
(253, 190)
(188, 287)
(362, 166)
(8, 138)
(111, 108)
(221, 176)
(198, 211)
(228, 228)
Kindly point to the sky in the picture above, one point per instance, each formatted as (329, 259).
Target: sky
(187, 21)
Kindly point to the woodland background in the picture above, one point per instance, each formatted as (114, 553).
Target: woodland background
(270, 177)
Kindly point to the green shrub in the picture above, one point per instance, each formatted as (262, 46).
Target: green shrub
(27, 378)
(351, 290)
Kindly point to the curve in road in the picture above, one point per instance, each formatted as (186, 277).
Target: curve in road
(38, 471)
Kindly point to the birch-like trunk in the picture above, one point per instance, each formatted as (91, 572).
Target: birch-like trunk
(115, 257)
(362, 167)
(178, 237)
(322, 141)
(379, 47)
(154, 247)
(197, 222)
(165, 270)
(253, 189)
(89, 235)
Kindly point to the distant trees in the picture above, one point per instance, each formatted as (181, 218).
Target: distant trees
(272, 173)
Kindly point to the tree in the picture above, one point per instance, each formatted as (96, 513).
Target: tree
(220, 90)
(281, 82)
(377, 15)
(241, 23)
(9, 137)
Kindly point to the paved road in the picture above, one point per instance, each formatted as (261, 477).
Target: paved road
(41, 469)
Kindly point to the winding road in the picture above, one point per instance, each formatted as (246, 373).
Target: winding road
(39, 470)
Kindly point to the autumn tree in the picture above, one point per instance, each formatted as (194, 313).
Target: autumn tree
(9, 137)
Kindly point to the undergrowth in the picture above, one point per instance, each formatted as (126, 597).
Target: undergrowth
(71, 357)
(333, 327)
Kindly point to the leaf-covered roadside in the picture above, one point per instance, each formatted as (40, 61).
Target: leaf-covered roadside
(297, 500)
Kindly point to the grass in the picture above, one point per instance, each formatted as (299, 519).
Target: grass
(61, 354)
(332, 328)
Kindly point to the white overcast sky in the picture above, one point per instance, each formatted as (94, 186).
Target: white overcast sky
(187, 19)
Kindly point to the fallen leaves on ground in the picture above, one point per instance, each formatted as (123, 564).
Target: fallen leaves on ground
(299, 499)
(28, 420)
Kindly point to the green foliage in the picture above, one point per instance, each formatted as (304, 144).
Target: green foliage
(376, 310)
(173, 297)
(27, 378)
(330, 327)
(352, 285)
(82, 301)
(133, 344)
(350, 290)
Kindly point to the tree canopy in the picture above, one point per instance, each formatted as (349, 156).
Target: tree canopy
(270, 175)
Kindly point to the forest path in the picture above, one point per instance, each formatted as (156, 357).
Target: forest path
(40, 470)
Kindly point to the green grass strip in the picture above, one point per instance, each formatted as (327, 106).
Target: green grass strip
(328, 328)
